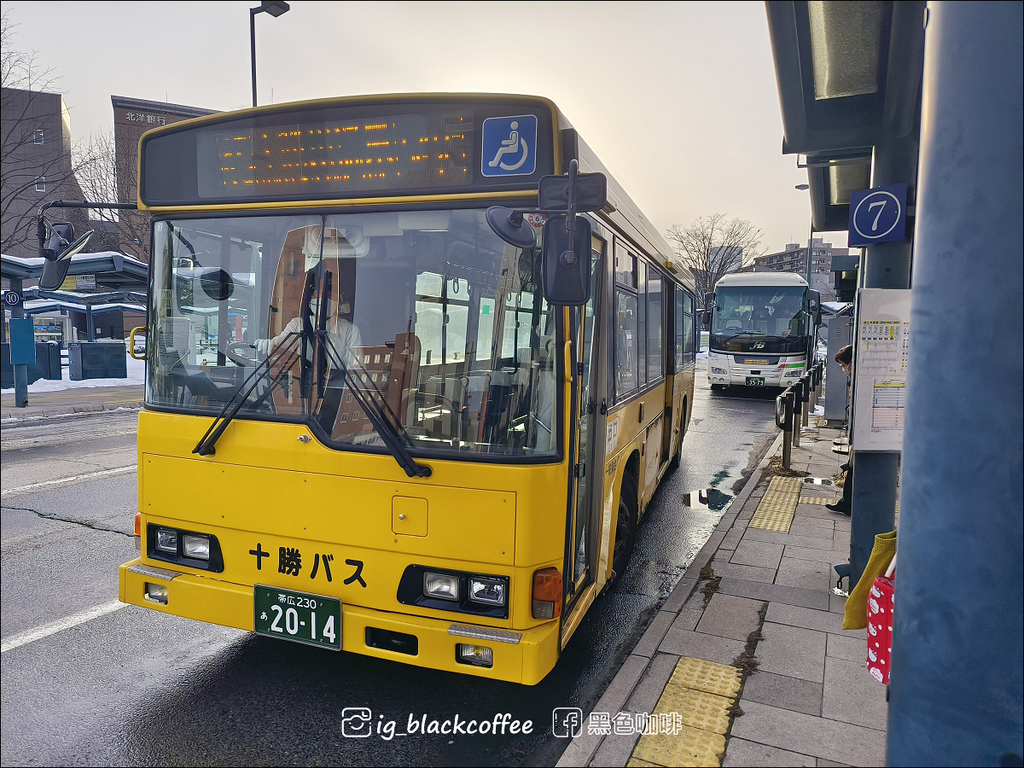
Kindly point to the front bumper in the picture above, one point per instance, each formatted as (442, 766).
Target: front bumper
(519, 656)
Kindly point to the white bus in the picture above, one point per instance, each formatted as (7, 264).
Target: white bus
(763, 326)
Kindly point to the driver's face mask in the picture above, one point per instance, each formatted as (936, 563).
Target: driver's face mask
(332, 307)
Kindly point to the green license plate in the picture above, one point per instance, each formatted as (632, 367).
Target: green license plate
(755, 381)
(303, 618)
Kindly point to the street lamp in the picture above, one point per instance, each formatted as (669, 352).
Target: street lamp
(275, 8)
(810, 236)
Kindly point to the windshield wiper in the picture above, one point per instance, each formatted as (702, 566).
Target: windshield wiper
(377, 410)
(207, 443)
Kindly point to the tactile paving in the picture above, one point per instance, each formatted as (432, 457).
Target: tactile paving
(688, 747)
(699, 697)
(775, 511)
(700, 675)
(697, 709)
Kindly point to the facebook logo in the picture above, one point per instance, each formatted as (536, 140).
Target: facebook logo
(566, 722)
(509, 146)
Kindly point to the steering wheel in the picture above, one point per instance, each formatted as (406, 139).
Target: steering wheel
(240, 353)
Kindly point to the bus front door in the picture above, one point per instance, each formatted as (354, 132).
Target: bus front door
(585, 480)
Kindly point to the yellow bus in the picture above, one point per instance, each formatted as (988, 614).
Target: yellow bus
(415, 367)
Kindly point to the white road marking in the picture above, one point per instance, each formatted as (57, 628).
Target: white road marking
(66, 480)
(31, 635)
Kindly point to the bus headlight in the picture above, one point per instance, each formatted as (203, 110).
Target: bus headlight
(442, 585)
(188, 548)
(719, 371)
(486, 591)
(797, 373)
(167, 540)
(196, 546)
(443, 590)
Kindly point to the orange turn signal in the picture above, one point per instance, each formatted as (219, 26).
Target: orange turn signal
(547, 593)
(138, 523)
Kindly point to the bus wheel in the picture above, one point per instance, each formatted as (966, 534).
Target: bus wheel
(625, 527)
(673, 464)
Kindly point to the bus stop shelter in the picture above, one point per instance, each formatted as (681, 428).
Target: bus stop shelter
(121, 283)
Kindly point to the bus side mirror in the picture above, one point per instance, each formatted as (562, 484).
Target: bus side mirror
(57, 252)
(705, 319)
(814, 305)
(565, 261)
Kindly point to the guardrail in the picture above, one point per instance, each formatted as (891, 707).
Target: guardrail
(793, 408)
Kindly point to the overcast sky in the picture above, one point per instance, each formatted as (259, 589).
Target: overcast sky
(679, 100)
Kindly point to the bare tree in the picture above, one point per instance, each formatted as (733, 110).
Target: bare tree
(111, 179)
(37, 161)
(715, 245)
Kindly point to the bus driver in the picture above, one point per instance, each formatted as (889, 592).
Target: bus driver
(343, 336)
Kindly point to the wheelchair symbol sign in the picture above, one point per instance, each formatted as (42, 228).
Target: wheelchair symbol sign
(509, 146)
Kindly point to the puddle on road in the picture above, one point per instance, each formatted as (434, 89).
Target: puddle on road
(711, 498)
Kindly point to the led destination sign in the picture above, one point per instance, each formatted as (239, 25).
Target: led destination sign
(405, 151)
(328, 152)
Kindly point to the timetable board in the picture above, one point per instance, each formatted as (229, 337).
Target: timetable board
(880, 369)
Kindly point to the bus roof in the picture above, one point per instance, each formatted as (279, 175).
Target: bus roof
(761, 278)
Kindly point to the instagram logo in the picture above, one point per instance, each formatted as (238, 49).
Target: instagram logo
(355, 722)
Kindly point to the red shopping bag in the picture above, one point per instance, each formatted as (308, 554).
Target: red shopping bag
(880, 605)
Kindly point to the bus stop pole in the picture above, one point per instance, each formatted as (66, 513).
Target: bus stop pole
(797, 413)
(808, 402)
(20, 370)
(955, 690)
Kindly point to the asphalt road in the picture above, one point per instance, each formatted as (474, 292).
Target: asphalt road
(86, 680)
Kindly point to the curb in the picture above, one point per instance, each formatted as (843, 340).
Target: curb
(12, 417)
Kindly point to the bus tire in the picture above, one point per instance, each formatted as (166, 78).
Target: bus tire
(625, 527)
(673, 465)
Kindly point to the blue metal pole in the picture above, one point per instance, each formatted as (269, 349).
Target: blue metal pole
(956, 679)
(20, 371)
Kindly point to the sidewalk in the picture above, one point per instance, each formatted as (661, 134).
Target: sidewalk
(747, 663)
(70, 402)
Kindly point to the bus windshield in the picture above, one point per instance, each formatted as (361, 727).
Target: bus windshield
(437, 323)
(760, 318)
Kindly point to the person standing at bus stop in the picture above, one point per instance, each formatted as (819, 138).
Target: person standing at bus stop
(845, 359)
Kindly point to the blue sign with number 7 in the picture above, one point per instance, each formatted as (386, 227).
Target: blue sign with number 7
(878, 215)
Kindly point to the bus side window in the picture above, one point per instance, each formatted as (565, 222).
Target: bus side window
(626, 347)
(680, 340)
(655, 321)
